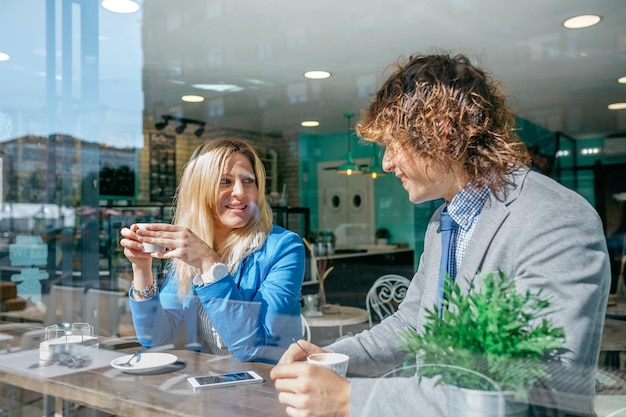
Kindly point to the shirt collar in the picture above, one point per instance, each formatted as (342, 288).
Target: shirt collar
(468, 203)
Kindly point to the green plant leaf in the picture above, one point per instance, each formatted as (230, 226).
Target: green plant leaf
(493, 329)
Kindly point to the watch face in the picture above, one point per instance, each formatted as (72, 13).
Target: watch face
(219, 271)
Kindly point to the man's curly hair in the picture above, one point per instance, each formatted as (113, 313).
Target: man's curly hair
(445, 109)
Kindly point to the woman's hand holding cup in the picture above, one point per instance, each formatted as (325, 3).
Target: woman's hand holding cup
(150, 247)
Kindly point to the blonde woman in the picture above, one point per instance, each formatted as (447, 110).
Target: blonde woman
(234, 279)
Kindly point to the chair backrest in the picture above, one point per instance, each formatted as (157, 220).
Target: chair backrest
(306, 330)
(385, 295)
(102, 311)
(64, 305)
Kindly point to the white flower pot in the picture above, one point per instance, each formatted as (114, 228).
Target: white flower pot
(464, 402)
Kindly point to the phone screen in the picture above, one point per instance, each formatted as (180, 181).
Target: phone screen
(217, 379)
(233, 378)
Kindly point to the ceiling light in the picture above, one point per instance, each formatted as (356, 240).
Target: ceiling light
(349, 167)
(221, 88)
(617, 106)
(192, 98)
(4, 57)
(317, 74)
(375, 170)
(582, 21)
(161, 125)
(181, 128)
(310, 123)
(256, 82)
(199, 131)
(621, 80)
(120, 6)
(590, 151)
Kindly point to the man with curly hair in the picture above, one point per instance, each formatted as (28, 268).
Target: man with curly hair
(449, 134)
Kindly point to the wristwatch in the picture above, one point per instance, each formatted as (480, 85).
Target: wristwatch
(217, 272)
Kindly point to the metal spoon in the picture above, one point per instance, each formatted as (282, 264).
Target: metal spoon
(300, 346)
(128, 362)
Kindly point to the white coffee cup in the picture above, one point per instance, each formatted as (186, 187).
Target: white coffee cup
(149, 247)
(337, 362)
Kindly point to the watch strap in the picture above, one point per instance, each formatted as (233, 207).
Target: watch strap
(217, 272)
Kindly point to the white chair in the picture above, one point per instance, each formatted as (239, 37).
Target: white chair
(306, 330)
(385, 295)
(65, 305)
(102, 311)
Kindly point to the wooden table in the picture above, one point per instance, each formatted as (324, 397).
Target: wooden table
(616, 310)
(102, 387)
(346, 316)
(613, 336)
(29, 314)
(613, 343)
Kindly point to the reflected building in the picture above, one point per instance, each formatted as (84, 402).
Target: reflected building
(51, 170)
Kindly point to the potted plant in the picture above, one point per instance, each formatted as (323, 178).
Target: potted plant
(494, 331)
(322, 270)
(382, 236)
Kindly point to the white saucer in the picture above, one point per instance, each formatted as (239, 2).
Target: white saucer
(149, 361)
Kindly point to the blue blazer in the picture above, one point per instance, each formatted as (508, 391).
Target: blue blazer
(256, 311)
(545, 235)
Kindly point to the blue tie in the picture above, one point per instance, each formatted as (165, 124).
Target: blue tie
(447, 227)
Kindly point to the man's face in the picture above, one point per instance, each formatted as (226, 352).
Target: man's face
(422, 178)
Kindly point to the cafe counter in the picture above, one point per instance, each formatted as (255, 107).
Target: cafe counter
(355, 270)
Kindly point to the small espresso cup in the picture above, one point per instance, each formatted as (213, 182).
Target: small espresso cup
(149, 247)
(337, 362)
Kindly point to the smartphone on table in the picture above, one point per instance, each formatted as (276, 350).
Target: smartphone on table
(224, 380)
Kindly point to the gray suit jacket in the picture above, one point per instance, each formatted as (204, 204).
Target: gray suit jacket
(549, 238)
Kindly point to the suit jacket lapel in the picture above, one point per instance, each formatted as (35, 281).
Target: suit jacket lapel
(491, 218)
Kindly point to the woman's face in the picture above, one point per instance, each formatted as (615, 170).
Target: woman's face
(237, 195)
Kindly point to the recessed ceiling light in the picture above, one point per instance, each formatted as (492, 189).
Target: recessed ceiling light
(120, 6)
(582, 21)
(317, 74)
(617, 106)
(218, 87)
(310, 123)
(192, 98)
(4, 57)
(622, 80)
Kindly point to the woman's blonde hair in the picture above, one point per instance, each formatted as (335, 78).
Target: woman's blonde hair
(196, 203)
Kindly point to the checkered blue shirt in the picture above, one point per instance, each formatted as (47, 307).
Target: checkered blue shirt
(465, 209)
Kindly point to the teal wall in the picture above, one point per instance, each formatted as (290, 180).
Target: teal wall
(582, 174)
(533, 135)
(392, 207)
(407, 222)
(590, 160)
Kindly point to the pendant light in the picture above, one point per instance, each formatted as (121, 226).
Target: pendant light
(349, 167)
(375, 170)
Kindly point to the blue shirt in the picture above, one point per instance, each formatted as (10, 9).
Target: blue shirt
(465, 209)
(256, 312)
